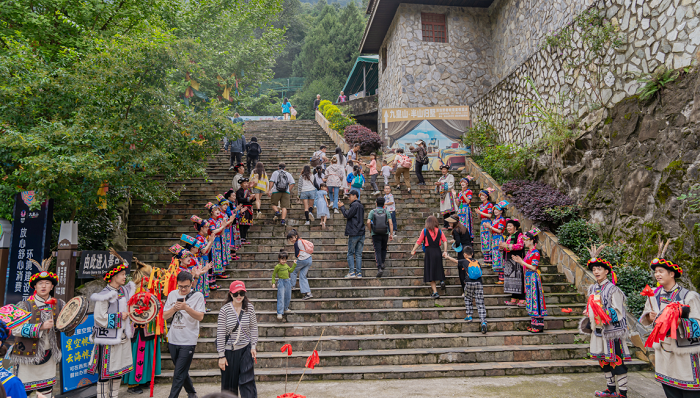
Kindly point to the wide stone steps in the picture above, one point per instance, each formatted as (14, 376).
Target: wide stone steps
(403, 341)
(408, 356)
(372, 328)
(501, 368)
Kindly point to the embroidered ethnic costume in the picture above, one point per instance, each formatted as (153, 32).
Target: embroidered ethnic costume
(677, 350)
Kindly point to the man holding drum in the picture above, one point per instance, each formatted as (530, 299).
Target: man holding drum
(36, 351)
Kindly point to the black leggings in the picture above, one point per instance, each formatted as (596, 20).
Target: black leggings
(419, 172)
(240, 373)
(244, 231)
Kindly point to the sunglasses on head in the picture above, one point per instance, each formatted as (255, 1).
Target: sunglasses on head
(239, 293)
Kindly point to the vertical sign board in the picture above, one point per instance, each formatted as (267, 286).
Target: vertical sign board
(31, 239)
(75, 359)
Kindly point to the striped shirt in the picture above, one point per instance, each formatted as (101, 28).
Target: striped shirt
(227, 321)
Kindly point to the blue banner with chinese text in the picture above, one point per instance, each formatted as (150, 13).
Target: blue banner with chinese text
(76, 352)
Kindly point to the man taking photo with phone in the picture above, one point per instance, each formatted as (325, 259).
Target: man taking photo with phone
(186, 307)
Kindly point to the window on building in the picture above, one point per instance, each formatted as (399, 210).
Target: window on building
(434, 27)
(385, 58)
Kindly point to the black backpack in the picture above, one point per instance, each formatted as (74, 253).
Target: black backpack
(381, 224)
(282, 182)
(254, 149)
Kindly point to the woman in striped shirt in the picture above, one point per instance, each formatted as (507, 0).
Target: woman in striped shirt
(236, 339)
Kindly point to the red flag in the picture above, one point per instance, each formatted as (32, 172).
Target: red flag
(288, 348)
(649, 292)
(313, 360)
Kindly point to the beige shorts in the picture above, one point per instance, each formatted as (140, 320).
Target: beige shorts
(282, 198)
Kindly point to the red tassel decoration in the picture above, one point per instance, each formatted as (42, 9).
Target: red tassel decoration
(665, 323)
(601, 318)
(288, 348)
(313, 360)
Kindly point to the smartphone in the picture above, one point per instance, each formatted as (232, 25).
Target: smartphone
(181, 299)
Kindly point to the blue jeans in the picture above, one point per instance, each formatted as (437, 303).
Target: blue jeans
(302, 269)
(334, 191)
(284, 295)
(393, 220)
(355, 246)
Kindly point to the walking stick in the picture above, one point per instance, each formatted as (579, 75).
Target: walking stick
(302, 375)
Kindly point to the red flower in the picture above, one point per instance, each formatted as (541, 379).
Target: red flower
(649, 292)
(51, 301)
(313, 360)
(288, 348)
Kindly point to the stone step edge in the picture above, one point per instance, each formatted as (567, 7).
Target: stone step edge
(395, 287)
(388, 369)
(403, 351)
(402, 336)
(388, 310)
(430, 322)
(376, 298)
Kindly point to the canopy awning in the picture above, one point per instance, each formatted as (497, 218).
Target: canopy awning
(365, 71)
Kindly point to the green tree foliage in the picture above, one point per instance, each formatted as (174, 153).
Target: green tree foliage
(328, 54)
(91, 92)
(292, 20)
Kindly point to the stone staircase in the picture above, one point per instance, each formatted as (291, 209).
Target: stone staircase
(371, 328)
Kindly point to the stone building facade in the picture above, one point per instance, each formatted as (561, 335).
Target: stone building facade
(491, 50)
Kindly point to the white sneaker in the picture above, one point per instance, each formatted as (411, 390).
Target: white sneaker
(279, 316)
(311, 216)
(288, 311)
(259, 214)
(358, 276)
(350, 275)
(335, 211)
(307, 223)
(375, 193)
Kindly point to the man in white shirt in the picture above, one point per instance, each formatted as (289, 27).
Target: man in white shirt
(186, 307)
(281, 184)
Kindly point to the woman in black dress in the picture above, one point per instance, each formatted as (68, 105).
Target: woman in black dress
(511, 246)
(462, 238)
(432, 237)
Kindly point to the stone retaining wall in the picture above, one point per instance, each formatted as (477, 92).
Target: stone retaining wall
(657, 32)
(335, 136)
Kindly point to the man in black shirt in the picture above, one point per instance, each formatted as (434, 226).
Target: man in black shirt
(317, 101)
(355, 231)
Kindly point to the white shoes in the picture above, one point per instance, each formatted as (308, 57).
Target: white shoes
(375, 193)
(311, 216)
(307, 223)
(279, 316)
(335, 211)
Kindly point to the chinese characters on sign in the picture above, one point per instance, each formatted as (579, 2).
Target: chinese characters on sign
(75, 359)
(31, 237)
(96, 263)
(403, 114)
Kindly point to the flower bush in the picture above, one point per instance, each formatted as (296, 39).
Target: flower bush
(330, 110)
(340, 122)
(369, 140)
(533, 199)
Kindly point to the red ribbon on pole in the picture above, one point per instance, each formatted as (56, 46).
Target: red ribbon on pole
(665, 323)
(313, 360)
(288, 348)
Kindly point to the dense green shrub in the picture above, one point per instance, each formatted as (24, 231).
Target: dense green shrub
(340, 122)
(503, 162)
(631, 280)
(578, 235)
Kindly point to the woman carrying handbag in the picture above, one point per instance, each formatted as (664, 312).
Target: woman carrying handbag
(236, 339)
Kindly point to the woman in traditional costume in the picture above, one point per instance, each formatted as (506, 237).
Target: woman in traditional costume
(111, 355)
(606, 323)
(446, 188)
(220, 252)
(534, 295)
(485, 210)
(677, 360)
(203, 237)
(232, 211)
(513, 245)
(36, 351)
(464, 200)
(144, 341)
(199, 251)
(497, 228)
(244, 197)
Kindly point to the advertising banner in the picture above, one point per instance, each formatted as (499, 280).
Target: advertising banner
(75, 359)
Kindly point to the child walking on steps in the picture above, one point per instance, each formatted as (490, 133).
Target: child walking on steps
(283, 284)
(473, 286)
(322, 211)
